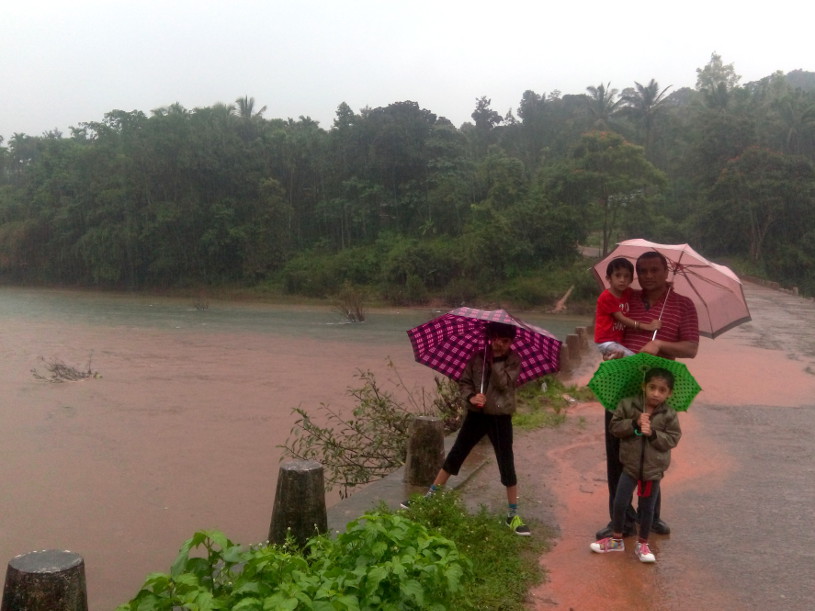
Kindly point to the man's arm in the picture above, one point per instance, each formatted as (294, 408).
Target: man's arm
(676, 350)
(636, 324)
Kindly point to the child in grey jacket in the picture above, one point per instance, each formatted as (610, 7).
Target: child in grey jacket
(648, 429)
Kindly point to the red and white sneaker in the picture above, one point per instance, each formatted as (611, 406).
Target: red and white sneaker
(609, 544)
(644, 553)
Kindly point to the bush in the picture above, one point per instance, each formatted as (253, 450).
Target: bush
(505, 566)
(372, 442)
(320, 274)
(381, 561)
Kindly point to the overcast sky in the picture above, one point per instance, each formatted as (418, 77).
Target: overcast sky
(69, 61)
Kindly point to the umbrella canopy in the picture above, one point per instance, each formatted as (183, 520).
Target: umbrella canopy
(447, 343)
(714, 289)
(617, 379)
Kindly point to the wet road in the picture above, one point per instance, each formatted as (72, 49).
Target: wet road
(739, 496)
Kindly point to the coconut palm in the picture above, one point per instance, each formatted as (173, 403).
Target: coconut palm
(603, 103)
(642, 103)
(246, 108)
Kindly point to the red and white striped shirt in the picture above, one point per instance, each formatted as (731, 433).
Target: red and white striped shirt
(680, 322)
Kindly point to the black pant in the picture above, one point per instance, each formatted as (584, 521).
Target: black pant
(614, 468)
(645, 505)
(473, 429)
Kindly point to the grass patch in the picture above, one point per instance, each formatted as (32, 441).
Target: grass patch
(505, 566)
(544, 403)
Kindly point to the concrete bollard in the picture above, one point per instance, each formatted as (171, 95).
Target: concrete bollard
(299, 504)
(583, 337)
(573, 342)
(45, 580)
(566, 365)
(425, 453)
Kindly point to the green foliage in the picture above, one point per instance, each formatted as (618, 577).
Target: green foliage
(404, 203)
(372, 442)
(505, 566)
(350, 302)
(381, 561)
(543, 403)
(316, 273)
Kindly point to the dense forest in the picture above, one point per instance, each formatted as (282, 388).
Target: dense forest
(405, 205)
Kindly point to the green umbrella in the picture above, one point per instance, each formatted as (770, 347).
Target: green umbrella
(619, 378)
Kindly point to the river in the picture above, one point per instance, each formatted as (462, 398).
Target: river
(181, 430)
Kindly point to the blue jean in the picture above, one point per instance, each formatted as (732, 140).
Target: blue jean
(626, 487)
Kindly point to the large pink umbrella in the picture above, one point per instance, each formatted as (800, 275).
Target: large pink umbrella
(714, 289)
(447, 343)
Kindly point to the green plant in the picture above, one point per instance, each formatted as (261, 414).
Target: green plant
(504, 565)
(381, 561)
(542, 403)
(372, 442)
(350, 302)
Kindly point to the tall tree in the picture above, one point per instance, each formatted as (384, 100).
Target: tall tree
(246, 108)
(603, 103)
(642, 103)
(757, 192)
(610, 172)
(715, 74)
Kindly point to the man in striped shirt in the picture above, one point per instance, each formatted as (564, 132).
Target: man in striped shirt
(678, 338)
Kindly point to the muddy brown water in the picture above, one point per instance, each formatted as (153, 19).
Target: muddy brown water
(180, 432)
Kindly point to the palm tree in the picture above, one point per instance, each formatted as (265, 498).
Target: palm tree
(797, 114)
(246, 107)
(642, 104)
(603, 104)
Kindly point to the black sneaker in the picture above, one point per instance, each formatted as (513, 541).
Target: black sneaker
(660, 528)
(516, 524)
(629, 530)
(405, 504)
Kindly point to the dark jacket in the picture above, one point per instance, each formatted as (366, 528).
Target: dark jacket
(651, 461)
(500, 387)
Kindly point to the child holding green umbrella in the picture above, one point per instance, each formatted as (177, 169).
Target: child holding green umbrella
(648, 429)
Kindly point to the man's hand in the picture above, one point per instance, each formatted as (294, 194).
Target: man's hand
(659, 347)
(478, 400)
(652, 347)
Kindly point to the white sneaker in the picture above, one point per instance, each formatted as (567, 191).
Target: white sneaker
(608, 544)
(644, 553)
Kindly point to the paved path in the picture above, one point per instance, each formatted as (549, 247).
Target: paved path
(740, 495)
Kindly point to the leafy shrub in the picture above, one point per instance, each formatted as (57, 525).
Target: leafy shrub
(350, 302)
(504, 565)
(381, 561)
(320, 274)
(372, 442)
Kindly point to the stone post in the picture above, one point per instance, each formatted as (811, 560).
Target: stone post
(583, 337)
(425, 453)
(565, 359)
(573, 342)
(299, 504)
(45, 580)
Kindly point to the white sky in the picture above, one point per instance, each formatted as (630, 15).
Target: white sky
(65, 62)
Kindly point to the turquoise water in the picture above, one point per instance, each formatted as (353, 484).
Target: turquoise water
(138, 311)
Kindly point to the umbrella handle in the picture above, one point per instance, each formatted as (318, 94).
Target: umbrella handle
(484, 365)
(664, 303)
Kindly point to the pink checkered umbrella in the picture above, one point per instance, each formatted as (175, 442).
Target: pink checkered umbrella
(447, 343)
